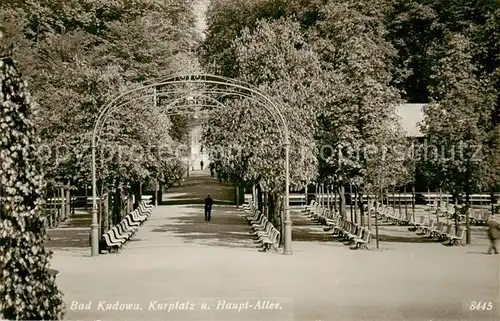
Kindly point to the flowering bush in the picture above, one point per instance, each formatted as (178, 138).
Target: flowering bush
(27, 289)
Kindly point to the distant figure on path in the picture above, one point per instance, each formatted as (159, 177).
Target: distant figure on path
(211, 166)
(208, 207)
(493, 234)
(201, 164)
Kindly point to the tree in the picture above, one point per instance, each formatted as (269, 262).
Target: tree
(80, 54)
(27, 291)
(459, 121)
(275, 58)
(358, 111)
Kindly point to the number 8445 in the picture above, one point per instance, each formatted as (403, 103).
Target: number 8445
(481, 306)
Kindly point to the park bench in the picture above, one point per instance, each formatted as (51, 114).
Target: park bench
(454, 238)
(118, 235)
(483, 217)
(405, 218)
(251, 214)
(438, 229)
(343, 229)
(363, 242)
(311, 210)
(266, 231)
(339, 228)
(328, 216)
(306, 208)
(477, 216)
(331, 223)
(447, 210)
(478, 198)
(260, 217)
(260, 223)
(458, 237)
(320, 216)
(350, 237)
(417, 222)
(271, 241)
(350, 233)
(447, 229)
(424, 229)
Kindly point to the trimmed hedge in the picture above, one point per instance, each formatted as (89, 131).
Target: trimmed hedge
(27, 289)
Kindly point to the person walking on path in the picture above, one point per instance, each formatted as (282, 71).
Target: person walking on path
(211, 166)
(493, 234)
(201, 164)
(208, 208)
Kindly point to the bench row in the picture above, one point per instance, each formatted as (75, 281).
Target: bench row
(263, 230)
(440, 230)
(343, 230)
(116, 237)
(318, 213)
(389, 214)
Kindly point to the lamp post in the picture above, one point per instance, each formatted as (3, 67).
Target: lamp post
(94, 227)
(288, 221)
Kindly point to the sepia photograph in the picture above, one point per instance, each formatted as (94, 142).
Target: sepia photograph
(250, 160)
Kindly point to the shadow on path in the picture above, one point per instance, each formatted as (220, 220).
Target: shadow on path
(195, 188)
(74, 232)
(227, 228)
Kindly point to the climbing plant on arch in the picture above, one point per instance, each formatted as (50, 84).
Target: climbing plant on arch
(180, 90)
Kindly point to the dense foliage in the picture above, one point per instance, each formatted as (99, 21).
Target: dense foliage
(78, 55)
(339, 69)
(27, 289)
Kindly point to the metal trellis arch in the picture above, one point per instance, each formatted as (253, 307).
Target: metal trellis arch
(177, 87)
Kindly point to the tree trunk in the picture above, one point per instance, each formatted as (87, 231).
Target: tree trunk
(467, 205)
(259, 198)
(440, 204)
(492, 198)
(264, 204)
(63, 206)
(237, 198)
(350, 202)
(160, 194)
(136, 190)
(323, 195)
(342, 201)
(376, 224)
(369, 215)
(68, 200)
(406, 203)
(328, 200)
(361, 205)
(413, 201)
(355, 204)
(271, 206)
(116, 204)
(399, 200)
(335, 197)
(393, 198)
(107, 210)
(86, 196)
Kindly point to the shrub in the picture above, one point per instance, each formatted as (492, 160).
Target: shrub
(27, 289)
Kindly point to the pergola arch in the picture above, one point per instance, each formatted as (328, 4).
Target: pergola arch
(202, 85)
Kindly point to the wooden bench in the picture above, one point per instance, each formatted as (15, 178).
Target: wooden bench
(117, 236)
(426, 228)
(452, 237)
(264, 231)
(363, 243)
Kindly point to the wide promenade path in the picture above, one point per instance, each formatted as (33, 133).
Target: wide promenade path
(180, 268)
